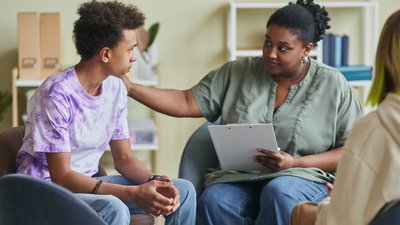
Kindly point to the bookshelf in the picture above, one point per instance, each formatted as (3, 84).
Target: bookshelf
(370, 10)
(236, 49)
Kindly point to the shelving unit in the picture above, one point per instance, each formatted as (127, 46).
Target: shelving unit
(370, 17)
(371, 10)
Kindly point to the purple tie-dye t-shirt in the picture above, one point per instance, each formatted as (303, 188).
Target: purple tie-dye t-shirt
(63, 117)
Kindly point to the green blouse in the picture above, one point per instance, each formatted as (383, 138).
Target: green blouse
(317, 115)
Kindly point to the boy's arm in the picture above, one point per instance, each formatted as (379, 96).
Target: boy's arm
(127, 164)
(145, 195)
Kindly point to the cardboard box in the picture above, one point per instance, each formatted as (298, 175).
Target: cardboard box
(50, 43)
(28, 45)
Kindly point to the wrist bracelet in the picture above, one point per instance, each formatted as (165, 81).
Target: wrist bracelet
(153, 177)
(96, 188)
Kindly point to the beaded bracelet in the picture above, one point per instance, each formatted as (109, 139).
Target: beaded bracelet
(96, 188)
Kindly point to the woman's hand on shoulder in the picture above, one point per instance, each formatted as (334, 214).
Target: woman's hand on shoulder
(275, 161)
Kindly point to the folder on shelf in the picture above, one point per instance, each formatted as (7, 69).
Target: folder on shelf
(50, 43)
(353, 73)
(28, 45)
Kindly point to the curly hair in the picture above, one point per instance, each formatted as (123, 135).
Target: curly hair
(304, 18)
(101, 24)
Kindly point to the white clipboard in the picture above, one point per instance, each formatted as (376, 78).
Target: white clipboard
(236, 144)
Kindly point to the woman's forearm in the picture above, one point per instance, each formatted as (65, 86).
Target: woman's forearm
(177, 103)
(326, 161)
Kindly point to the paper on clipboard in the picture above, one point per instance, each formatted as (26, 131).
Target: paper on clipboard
(236, 144)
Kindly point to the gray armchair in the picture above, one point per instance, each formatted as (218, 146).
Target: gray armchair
(389, 215)
(198, 155)
(29, 200)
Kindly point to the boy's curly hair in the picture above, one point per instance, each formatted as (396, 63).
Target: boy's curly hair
(101, 24)
(304, 18)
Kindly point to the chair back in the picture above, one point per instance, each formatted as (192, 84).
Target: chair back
(198, 155)
(10, 142)
(28, 200)
(388, 215)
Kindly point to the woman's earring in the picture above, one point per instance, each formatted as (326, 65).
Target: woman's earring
(304, 60)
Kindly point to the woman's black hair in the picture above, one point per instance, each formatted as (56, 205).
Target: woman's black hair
(101, 24)
(304, 18)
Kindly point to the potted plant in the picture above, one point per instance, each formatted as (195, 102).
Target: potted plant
(5, 101)
(145, 67)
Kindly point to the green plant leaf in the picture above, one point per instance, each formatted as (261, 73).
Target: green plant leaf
(5, 101)
(153, 30)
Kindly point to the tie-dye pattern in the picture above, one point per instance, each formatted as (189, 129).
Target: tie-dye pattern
(63, 117)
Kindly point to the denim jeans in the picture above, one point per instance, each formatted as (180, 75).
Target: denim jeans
(261, 203)
(116, 212)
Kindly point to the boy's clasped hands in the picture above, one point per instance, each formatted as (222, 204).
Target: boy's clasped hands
(165, 196)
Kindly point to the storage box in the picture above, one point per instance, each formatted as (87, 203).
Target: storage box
(28, 45)
(50, 43)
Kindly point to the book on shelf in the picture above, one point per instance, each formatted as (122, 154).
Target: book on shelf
(358, 72)
(345, 50)
(335, 50)
(325, 49)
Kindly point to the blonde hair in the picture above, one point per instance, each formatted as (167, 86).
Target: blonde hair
(387, 62)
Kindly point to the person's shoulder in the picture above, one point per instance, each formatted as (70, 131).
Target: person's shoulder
(116, 84)
(326, 70)
(115, 81)
(371, 119)
(247, 61)
(245, 65)
(365, 126)
(60, 81)
(327, 73)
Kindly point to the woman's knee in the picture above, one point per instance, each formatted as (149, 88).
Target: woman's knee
(212, 196)
(283, 185)
(292, 189)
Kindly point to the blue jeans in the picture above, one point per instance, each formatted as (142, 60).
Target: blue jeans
(116, 212)
(261, 203)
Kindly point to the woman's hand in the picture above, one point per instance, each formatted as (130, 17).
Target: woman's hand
(275, 161)
(329, 186)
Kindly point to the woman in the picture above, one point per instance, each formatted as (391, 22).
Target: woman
(367, 177)
(75, 114)
(310, 105)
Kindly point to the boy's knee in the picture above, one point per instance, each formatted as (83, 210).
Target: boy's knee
(115, 209)
(186, 189)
